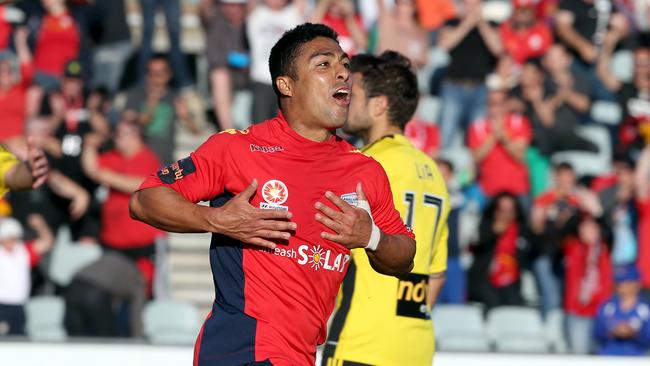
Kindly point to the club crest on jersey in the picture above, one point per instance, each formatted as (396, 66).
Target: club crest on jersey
(350, 198)
(274, 193)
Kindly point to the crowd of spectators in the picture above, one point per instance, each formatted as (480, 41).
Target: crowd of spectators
(521, 79)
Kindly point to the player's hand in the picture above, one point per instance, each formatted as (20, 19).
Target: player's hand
(352, 225)
(38, 163)
(239, 220)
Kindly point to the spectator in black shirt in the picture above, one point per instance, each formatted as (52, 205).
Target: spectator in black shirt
(228, 55)
(547, 106)
(634, 96)
(473, 45)
(113, 45)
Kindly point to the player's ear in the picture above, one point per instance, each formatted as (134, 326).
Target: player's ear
(284, 85)
(378, 106)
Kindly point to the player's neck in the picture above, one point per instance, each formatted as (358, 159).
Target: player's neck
(318, 134)
(378, 131)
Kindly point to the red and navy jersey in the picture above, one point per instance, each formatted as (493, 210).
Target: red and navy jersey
(274, 305)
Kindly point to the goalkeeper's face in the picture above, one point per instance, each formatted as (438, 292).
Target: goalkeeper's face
(359, 118)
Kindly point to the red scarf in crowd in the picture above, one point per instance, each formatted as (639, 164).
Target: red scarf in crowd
(504, 269)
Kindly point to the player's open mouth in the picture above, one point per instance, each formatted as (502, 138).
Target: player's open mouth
(342, 95)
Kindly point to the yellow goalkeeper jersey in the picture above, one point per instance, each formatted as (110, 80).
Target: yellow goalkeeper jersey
(382, 320)
(7, 161)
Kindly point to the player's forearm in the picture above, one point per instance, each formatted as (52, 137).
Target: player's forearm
(166, 209)
(436, 281)
(394, 255)
(19, 177)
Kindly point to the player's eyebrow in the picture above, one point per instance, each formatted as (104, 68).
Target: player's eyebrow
(328, 54)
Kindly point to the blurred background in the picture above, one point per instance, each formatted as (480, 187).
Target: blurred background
(537, 112)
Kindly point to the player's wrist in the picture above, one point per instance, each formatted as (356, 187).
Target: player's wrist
(209, 219)
(375, 238)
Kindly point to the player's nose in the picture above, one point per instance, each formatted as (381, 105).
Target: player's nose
(342, 72)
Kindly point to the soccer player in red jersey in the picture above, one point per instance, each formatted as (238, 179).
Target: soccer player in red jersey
(281, 247)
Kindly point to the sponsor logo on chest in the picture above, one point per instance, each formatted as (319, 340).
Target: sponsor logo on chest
(315, 257)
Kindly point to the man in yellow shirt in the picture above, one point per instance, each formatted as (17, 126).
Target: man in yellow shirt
(17, 175)
(384, 320)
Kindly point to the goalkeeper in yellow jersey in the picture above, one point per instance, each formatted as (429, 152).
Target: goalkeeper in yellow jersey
(383, 320)
(16, 175)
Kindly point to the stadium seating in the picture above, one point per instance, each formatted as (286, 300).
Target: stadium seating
(460, 328)
(587, 163)
(68, 258)
(428, 109)
(622, 65)
(170, 322)
(605, 112)
(45, 316)
(517, 329)
(554, 328)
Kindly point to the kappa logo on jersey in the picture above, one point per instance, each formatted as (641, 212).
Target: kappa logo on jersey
(350, 198)
(316, 257)
(275, 193)
(266, 149)
(177, 170)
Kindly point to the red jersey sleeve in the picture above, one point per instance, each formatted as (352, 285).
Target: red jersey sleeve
(380, 198)
(200, 176)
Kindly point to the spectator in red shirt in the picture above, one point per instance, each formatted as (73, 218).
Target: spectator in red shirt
(123, 169)
(642, 180)
(523, 36)
(588, 282)
(549, 217)
(498, 143)
(57, 41)
(340, 15)
(15, 78)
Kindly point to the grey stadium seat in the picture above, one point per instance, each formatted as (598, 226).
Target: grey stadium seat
(171, 322)
(554, 327)
(460, 328)
(45, 316)
(587, 163)
(517, 329)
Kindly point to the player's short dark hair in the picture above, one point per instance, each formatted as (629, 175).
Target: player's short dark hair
(564, 166)
(391, 75)
(288, 48)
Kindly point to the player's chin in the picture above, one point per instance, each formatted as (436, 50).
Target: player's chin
(338, 117)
